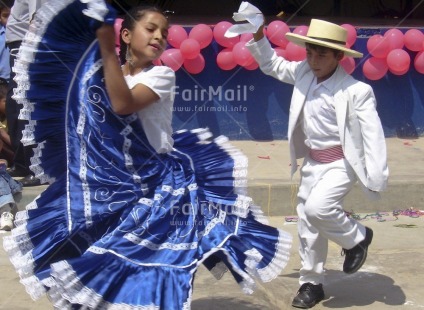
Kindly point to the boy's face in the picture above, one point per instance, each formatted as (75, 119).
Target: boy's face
(323, 61)
(4, 15)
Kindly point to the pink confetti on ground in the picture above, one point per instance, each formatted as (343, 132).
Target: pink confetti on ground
(264, 157)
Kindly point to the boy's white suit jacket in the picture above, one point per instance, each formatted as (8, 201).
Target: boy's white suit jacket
(361, 133)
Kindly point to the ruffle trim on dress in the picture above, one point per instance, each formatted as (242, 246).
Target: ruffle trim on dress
(280, 260)
(19, 248)
(242, 203)
(66, 286)
(96, 9)
(26, 54)
(66, 289)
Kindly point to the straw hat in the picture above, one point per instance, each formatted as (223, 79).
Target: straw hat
(324, 34)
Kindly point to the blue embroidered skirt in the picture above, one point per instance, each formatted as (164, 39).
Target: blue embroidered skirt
(120, 226)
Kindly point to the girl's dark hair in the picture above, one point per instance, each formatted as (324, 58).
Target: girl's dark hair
(131, 18)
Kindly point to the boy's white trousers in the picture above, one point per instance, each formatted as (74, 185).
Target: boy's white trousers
(321, 215)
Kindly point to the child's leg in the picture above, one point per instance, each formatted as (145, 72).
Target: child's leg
(324, 205)
(321, 215)
(313, 248)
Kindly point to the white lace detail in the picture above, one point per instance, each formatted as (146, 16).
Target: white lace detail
(211, 225)
(25, 56)
(281, 257)
(66, 288)
(163, 246)
(146, 201)
(19, 248)
(193, 187)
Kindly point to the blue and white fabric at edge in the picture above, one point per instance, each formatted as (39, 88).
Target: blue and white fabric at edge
(120, 226)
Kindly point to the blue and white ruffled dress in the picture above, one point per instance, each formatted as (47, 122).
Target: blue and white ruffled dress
(121, 226)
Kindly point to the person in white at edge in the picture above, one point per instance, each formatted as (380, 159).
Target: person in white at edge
(334, 125)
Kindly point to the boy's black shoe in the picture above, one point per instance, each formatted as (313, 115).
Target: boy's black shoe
(308, 296)
(356, 256)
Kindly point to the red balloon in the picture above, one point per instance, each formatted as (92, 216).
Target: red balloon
(419, 62)
(348, 63)
(157, 62)
(172, 58)
(225, 59)
(280, 52)
(245, 37)
(195, 65)
(414, 40)
(201, 33)
(117, 25)
(219, 35)
(242, 55)
(253, 66)
(351, 34)
(190, 48)
(398, 61)
(276, 33)
(375, 68)
(378, 46)
(176, 35)
(295, 52)
(395, 37)
(302, 30)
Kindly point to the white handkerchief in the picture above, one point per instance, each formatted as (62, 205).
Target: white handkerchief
(251, 14)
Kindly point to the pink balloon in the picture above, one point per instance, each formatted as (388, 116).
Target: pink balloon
(245, 37)
(398, 61)
(301, 30)
(414, 39)
(190, 48)
(253, 66)
(172, 58)
(395, 37)
(117, 25)
(378, 46)
(201, 33)
(219, 35)
(242, 55)
(157, 62)
(176, 35)
(419, 62)
(225, 59)
(195, 65)
(375, 68)
(295, 52)
(351, 34)
(276, 33)
(348, 64)
(280, 52)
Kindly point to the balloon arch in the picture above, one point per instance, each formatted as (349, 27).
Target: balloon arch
(387, 52)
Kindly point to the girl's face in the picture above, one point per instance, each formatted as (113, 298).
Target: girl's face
(147, 40)
(323, 61)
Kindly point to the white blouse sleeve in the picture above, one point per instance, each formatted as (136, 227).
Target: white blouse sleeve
(160, 79)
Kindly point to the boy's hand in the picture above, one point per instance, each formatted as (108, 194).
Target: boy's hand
(260, 33)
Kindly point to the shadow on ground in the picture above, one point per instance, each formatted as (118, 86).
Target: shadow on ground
(223, 304)
(362, 289)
